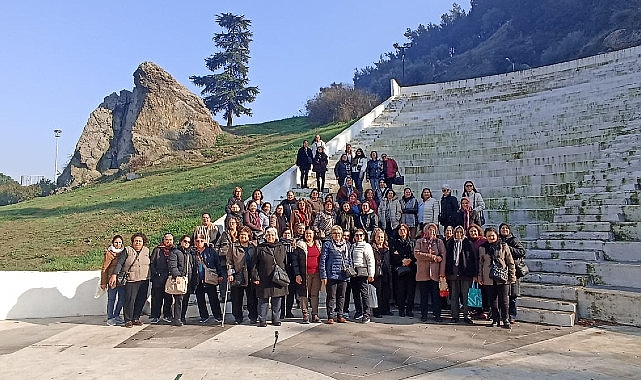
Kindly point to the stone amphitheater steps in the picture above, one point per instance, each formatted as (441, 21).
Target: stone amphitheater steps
(546, 311)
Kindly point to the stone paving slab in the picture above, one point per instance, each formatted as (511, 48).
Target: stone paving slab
(393, 348)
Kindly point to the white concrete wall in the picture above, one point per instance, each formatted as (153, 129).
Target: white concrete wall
(50, 294)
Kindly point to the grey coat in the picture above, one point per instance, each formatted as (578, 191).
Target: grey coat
(263, 268)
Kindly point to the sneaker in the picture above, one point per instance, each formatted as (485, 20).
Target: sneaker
(154, 321)
(112, 322)
(366, 319)
(166, 320)
(358, 317)
(341, 320)
(238, 321)
(203, 320)
(506, 324)
(119, 320)
(262, 324)
(330, 321)
(184, 321)
(512, 320)
(177, 323)
(276, 323)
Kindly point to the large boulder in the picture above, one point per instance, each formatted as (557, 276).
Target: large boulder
(159, 118)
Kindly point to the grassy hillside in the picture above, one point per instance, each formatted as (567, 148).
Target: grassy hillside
(70, 231)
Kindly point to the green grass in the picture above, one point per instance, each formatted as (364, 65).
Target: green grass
(70, 231)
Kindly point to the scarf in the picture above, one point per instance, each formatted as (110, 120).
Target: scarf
(114, 249)
(458, 248)
(165, 250)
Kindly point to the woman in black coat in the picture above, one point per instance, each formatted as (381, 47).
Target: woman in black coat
(518, 254)
(382, 273)
(404, 272)
(178, 270)
(268, 254)
(304, 162)
(319, 166)
(461, 268)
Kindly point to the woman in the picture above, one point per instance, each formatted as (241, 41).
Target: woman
(369, 198)
(225, 245)
(116, 294)
(362, 258)
(317, 143)
(236, 198)
(465, 216)
(319, 166)
(134, 260)
(404, 273)
(251, 219)
(367, 219)
(494, 252)
(278, 220)
(359, 165)
(268, 254)
(265, 214)
(335, 257)
(476, 200)
(374, 170)
(257, 196)
(382, 273)
(475, 234)
(159, 272)
(314, 203)
(430, 267)
(346, 190)
(239, 260)
(306, 262)
(379, 193)
(179, 271)
(342, 169)
(302, 215)
(324, 221)
(289, 243)
(518, 254)
(354, 203)
(289, 205)
(389, 213)
(428, 209)
(192, 274)
(304, 159)
(409, 211)
(345, 218)
(207, 257)
(461, 266)
(448, 234)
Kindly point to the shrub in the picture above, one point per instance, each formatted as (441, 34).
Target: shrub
(339, 103)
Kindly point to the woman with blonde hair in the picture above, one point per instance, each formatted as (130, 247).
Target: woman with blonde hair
(430, 267)
(334, 258)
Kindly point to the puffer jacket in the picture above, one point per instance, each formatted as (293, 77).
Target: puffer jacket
(409, 211)
(374, 170)
(332, 258)
(389, 213)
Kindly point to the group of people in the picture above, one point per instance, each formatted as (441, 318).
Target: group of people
(372, 246)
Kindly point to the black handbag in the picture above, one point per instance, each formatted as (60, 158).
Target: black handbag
(521, 269)
(402, 271)
(279, 275)
(123, 276)
(498, 273)
(239, 279)
(398, 179)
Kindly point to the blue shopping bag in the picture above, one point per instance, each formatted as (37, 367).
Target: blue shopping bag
(474, 298)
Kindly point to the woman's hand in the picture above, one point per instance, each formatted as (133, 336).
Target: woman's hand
(230, 278)
(299, 279)
(103, 286)
(112, 281)
(407, 262)
(370, 279)
(177, 279)
(256, 282)
(220, 279)
(438, 259)
(324, 281)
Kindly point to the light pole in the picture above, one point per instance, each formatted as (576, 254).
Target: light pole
(406, 45)
(510, 61)
(57, 133)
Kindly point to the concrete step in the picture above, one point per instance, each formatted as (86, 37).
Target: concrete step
(562, 254)
(556, 278)
(558, 266)
(580, 235)
(626, 231)
(546, 304)
(579, 227)
(524, 202)
(547, 317)
(558, 292)
(617, 305)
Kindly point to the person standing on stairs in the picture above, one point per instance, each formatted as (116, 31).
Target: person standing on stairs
(518, 254)
(449, 208)
(476, 200)
(304, 162)
(319, 166)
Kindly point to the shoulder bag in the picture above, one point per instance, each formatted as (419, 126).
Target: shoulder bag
(123, 276)
(349, 270)
(398, 179)
(279, 275)
(521, 268)
(497, 272)
(175, 288)
(211, 275)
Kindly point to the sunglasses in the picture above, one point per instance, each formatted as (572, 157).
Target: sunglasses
(186, 241)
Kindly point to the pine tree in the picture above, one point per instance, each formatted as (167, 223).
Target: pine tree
(228, 90)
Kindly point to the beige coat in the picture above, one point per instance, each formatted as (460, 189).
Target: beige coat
(504, 258)
(139, 270)
(426, 266)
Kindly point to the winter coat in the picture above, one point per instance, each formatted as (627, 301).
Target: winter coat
(362, 256)
(304, 158)
(315, 146)
(359, 165)
(426, 251)
(409, 211)
(502, 256)
(211, 259)
(367, 221)
(342, 170)
(389, 213)
(279, 223)
(237, 201)
(374, 170)
(324, 222)
(263, 268)
(159, 267)
(319, 164)
(298, 217)
(346, 221)
(252, 220)
(211, 232)
(428, 211)
(518, 254)
(390, 167)
(239, 262)
(332, 259)
(108, 265)
(288, 207)
(402, 249)
(344, 192)
(449, 208)
(178, 263)
(474, 218)
(468, 264)
(383, 267)
(299, 264)
(476, 201)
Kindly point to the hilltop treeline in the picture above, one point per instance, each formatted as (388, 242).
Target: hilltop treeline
(495, 34)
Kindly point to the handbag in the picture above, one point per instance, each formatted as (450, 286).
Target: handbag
(279, 275)
(398, 179)
(349, 270)
(474, 298)
(174, 287)
(239, 279)
(211, 275)
(482, 218)
(123, 276)
(402, 270)
(371, 293)
(443, 289)
(362, 272)
(521, 268)
(498, 273)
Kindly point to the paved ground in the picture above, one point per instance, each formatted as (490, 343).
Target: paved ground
(390, 348)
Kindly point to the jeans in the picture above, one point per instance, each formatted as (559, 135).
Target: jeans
(358, 183)
(361, 295)
(177, 306)
(512, 306)
(459, 287)
(115, 307)
(335, 297)
(135, 298)
(429, 289)
(263, 306)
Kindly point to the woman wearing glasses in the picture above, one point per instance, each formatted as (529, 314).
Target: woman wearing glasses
(334, 258)
(476, 200)
(363, 259)
(207, 257)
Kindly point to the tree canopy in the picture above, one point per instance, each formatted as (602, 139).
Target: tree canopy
(227, 90)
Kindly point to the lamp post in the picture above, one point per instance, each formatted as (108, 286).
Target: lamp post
(57, 133)
(510, 61)
(402, 48)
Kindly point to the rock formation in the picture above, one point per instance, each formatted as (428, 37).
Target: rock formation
(157, 119)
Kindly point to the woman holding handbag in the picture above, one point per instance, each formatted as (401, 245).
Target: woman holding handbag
(494, 253)
(430, 267)
(382, 273)
(269, 254)
(363, 260)
(133, 265)
(238, 261)
(179, 271)
(207, 262)
(404, 273)
(333, 262)
(518, 254)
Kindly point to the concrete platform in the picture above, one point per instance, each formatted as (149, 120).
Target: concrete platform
(388, 348)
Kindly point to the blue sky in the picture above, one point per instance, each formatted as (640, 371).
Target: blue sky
(60, 59)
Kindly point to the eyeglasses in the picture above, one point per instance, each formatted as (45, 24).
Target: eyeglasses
(469, 185)
(117, 242)
(201, 240)
(446, 190)
(186, 241)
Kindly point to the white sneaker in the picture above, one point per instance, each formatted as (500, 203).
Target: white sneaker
(154, 321)
(166, 320)
(112, 322)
